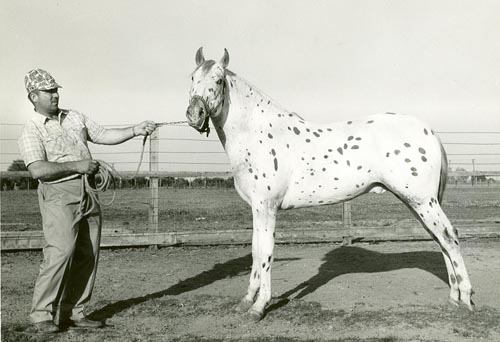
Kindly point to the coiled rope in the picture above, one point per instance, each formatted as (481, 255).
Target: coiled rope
(105, 178)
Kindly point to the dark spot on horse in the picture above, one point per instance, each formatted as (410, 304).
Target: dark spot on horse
(360, 167)
(414, 174)
(287, 146)
(340, 150)
(289, 128)
(256, 177)
(336, 162)
(312, 173)
(264, 175)
(345, 146)
(369, 122)
(387, 154)
(316, 134)
(349, 122)
(424, 159)
(369, 171)
(308, 130)
(350, 138)
(396, 152)
(407, 160)
(413, 169)
(421, 150)
(268, 187)
(425, 131)
(268, 102)
(432, 132)
(358, 138)
(270, 136)
(308, 140)
(329, 129)
(455, 232)
(348, 163)
(459, 278)
(275, 164)
(320, 130)
(296, 130)
(330, 150)
(324, 169)
(452, 279)
(263, 265)
(231, 83)
(250, 170)
(446, 234)
(455, 263)
(260, 141)
(325, 156)
(407, 145)
(273, 152)
(354, 147)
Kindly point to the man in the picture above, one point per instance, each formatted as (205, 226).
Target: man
(54, 147)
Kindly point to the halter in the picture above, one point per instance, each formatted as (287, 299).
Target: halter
(207, 111)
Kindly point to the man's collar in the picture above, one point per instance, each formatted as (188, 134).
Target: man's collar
(40, 118)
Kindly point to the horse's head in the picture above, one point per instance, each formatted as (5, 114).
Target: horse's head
(206, 97)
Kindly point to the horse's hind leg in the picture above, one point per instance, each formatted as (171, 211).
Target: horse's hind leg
(434, 220)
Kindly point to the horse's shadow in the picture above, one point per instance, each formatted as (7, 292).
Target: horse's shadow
(345, 260)
(339, 261)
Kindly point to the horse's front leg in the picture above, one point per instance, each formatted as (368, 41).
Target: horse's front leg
(264, 220)
(253, 288)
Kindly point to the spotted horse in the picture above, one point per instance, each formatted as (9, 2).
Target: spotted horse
(281, 161)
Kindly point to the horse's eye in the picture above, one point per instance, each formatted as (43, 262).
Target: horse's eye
(219, 81)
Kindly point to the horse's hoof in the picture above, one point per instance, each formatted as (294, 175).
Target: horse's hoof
(254, 315)
(470, 306)
(243, 306)
(453, 302)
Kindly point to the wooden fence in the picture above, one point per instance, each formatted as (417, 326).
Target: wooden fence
(347, 234)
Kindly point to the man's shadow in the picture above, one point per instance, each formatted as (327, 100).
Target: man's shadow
(339, 261)
(345, 260)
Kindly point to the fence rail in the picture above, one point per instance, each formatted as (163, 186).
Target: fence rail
(347, 232)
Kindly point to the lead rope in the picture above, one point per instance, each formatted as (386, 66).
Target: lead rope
(89, 198)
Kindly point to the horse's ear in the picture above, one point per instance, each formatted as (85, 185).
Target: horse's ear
(199, 56)
(225, 59)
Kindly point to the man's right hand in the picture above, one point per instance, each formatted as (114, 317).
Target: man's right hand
(87, 166)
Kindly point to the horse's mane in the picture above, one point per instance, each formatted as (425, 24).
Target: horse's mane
(240, 79)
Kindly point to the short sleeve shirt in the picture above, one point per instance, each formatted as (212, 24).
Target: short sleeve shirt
(59, 141)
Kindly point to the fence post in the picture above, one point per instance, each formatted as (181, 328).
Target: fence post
(154, 144)
(347, 220)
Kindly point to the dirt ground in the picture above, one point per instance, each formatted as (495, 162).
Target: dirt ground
(365, 292)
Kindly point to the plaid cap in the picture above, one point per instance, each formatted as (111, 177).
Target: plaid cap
(39, 79)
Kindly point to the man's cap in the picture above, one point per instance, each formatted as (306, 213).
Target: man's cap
(39, 79)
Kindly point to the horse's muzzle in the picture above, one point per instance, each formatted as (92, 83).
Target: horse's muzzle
(197, 115)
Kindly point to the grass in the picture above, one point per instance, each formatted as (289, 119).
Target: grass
(223, 209)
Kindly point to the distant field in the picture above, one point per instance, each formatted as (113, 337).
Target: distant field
(223, 209)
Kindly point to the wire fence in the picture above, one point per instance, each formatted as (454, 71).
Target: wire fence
(185, 184)
(180, 148)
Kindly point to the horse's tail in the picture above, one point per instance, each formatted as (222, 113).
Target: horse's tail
(443, 179)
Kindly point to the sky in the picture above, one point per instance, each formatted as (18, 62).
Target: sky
(122, 62)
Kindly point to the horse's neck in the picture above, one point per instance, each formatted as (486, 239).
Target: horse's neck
(245, 110)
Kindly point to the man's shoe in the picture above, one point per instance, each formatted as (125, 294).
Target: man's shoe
(87, 323)
(47, 327)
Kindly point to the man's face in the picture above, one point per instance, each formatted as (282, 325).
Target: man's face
(47, 101)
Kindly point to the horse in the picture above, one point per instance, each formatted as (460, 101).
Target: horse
(281, 161)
